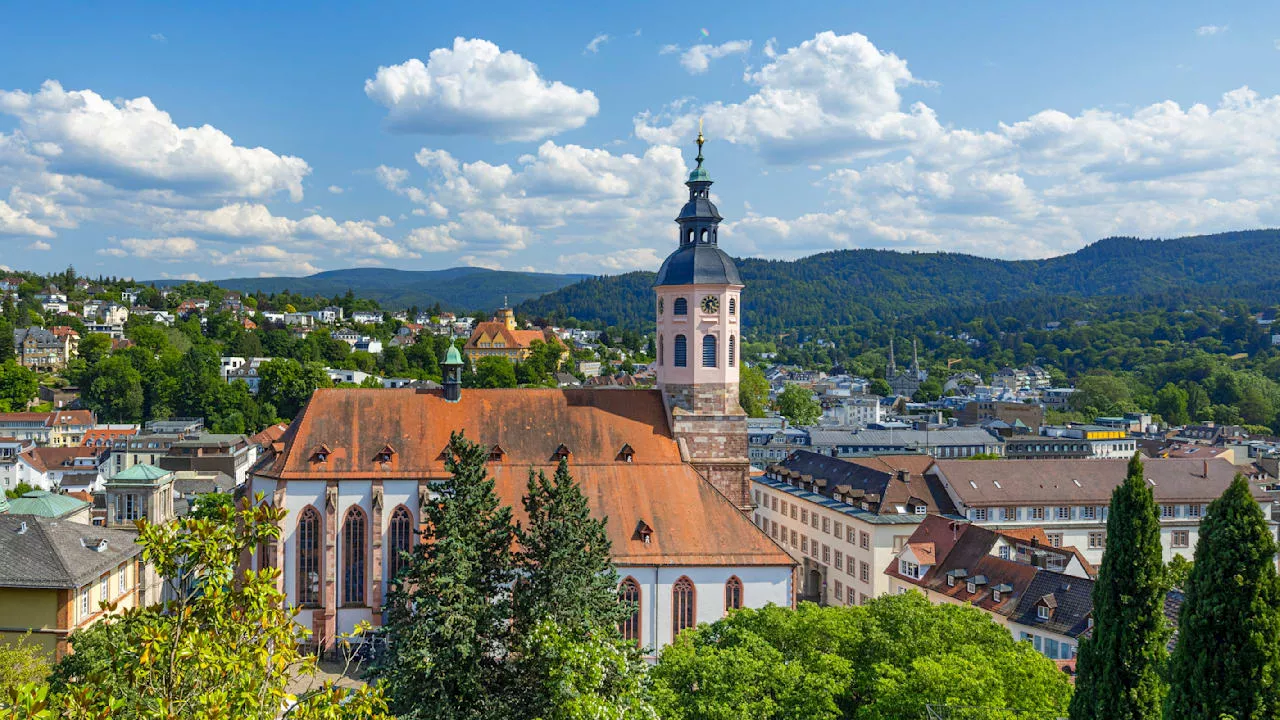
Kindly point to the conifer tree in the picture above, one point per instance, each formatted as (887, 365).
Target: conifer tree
(1120, 666)
(448, 616)
(1227, 661)
(566, 575)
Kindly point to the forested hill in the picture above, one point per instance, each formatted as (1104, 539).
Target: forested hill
(461, 288)
(846, 286)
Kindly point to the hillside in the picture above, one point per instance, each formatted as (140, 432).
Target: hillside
(461, 288)
(846, 286)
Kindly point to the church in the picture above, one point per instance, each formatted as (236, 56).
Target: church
(667, 467)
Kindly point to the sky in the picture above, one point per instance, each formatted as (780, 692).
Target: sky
(215, 140)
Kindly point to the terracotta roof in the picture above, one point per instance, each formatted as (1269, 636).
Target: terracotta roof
(513, 338)
(44, 459)
(693, 524)
(924, 552)
(270, 435)
(1081, 482)
(107, 434)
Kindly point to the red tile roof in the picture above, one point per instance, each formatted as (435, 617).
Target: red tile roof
(514, 339)
(693, 524)
(107, 434)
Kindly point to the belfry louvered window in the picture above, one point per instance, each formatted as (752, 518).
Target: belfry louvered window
(709, 351)
(733, 350)
(680, 307)
(681, 352)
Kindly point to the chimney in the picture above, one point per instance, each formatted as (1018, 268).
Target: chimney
(1206, 469)
(904, 475)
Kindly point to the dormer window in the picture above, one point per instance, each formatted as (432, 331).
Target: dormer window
(951, 580)
(384, 455)
(495, 453)
(971, 587)
(995, 596)
(1042, 612)
(643, 532)
(626, 454)
(320, 454)
(562, 452)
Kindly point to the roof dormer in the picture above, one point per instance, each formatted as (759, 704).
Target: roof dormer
(496, 453)
(320, 454)
(562, 452)
(643, 532)
(385, 454)
(626, 454)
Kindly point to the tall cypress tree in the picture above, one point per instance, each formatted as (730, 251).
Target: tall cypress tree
(1227, 661)
(566, 575)
(448, 617)
(1120, 666)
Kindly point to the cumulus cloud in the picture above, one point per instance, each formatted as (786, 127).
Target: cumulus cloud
(697, 59)
(1204, 30)
(133, 145)
(336, 189)
(475, 88)
(159, 37)
(596, 42)
(14, 222)
(248, 223)
(39, 245)
(263, 259)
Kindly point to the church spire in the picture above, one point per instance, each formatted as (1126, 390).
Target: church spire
(699, 217)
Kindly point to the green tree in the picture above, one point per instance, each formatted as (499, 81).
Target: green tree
(23, 662)
(930, 390)
(1227, 661)
(115, 390)
(18, 386)
(591, 676)
(1171, 404)
(213, 505)
(6, 331)
(1120, 666)
(449, 611)
(1102, 395)
(172, 660)
(1178, 571)
(495, 371)
(881, 387)
(93, 347)
(798, 405)
(288, 384)
(753, 391)
(1198, 402)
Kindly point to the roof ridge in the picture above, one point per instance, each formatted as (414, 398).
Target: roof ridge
(57, 551)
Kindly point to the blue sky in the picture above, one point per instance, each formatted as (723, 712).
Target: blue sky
(209, 140)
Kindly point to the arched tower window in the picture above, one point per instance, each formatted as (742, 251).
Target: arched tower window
(399, 540)
(683, 611)
(661, 354)
(708, 351)
(681, 358)
(629, 594)
(733, 306)
(732, 594)
(733, 347)
(354, 544)
(680, 307)
(309, 580)
(705, 235)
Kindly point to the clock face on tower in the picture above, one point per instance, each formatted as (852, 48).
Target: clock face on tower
(710, 304)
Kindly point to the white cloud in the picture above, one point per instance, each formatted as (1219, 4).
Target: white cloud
(261, 259)
(39, 245)
(170, 249)
(336, 189)
(697, 59)
(668, 49)
(1204, 30)
(132, 145)
(159, 37)
(474, 88)
(596, 42)
(14, 222)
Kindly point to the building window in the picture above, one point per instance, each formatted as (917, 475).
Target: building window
(826, 554)
(971, 587)
(1194, 510)
(708, 351)
(399, 540)
(680, 307)
(309, 557)
(794, 510)
(104, 587)
(864, 571)
(1167, 511)
(838, 529)
(733, 350)
(629, 595)
(804, 517)
(909, 569)
(1181, 538)
(732, 594)
(1011, 513)
(979, 514)
(804, 544)
(661, 354)
(682, 606)
(813, 520)
(733, 307)
(1089, 512)
(353, 557)
(951, 580)
(922, 509)
(826, 525)
(794, 540)
(839, 560)
(774, 504)
(1064, 513)
(1037, 513)
(1097, 540)
(839, 591)
(681, 357)
(121, 573)
(995, 596)
(773, 529)
(864, 540)
(1055, 539)
(1004, 552)
(84, 602)
(1042, 612)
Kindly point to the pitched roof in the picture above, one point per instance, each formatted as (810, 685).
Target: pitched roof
(140, 473)
(862, 477)
(52, 553)
(44, 458)
(1083, 482)
(512, 338)
(693, 523)
(46, 504)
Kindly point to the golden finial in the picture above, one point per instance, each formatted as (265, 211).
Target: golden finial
(700, 138)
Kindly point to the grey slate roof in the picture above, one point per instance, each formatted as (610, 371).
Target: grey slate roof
(58, 553)
(902, 438)
(1073, 597)
(698, 263)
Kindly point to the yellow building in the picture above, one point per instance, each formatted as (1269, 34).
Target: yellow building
(54, 575)
(500, 337)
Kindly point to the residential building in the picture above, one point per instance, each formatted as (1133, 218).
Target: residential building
(1041, 447)
(1012, 379)
(245, 369)
(1057, 398)
(371, 345)
(61, 468)
(59, 397)
(1070, 498)
(205, 452)
(55, 575)
(145, 448)
(109, 437)
(668, 467)
(45, 350)
(340, 375)
(941, 442)
(346, 335)
(772, 439)
(858, 410)
(1006, 576)
(500, 336)
(1104, 442)
(59, 428)
(843, 519)
(365, 317)
(975, 412)
(10, 449)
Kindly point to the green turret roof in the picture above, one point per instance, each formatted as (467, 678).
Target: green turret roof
(140, 473)
(453, 357)
(46, 504)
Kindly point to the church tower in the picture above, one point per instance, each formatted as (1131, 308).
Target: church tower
(699, 310)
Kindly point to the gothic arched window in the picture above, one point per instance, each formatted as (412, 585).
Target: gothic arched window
(308, 539)
(399, 540)
(680, 352)
(353, 557)
(733, 347)
(683, 611)
(680, 307)
(708, 351)
(732, 594)
(733, 306)
(629, 593)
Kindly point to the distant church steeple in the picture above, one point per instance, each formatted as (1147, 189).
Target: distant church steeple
(699, 219)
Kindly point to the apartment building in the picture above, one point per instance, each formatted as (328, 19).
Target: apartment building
(59, 428)
(843, 519)
(1070, 498)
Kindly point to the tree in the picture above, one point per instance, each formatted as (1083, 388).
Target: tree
(495, 371)
(1171, 404)
(93, 347)
(450, 608)
(798, 405)
(882, 661)
(171, 660)
(23, 662)
(212, 505)
(1198, 402)
(1227, 661)
(881, 387)
(18, 386)
(288, 384)
(930, 390)
(1120, 665)
(1177, 572)
(115, 390)
(594, 676)
(753, 391)
(1102, 395)
(6, 331)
